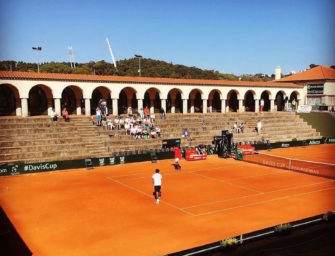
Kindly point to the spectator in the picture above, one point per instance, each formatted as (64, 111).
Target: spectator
(110, 125)
(146, 111)
(241, 127)
(117, 122)
(65, 115)
(141, 113)
(98, 116)
(104, 123)
(54, 115)
(162, 112)
(262, 104)
(235, 128)
(293, 103)
(130, 111)
(158, 130)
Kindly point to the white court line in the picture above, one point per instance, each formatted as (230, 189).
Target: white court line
(227, 182)
(262, 202)
(247, 196)
(150, 196)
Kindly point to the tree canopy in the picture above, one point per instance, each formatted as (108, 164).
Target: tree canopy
(129, 67)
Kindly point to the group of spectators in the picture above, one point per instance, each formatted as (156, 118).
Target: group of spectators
(65, 114)
(140, 126)
(238, 128)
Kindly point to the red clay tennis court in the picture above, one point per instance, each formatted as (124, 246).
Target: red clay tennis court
(111, 210)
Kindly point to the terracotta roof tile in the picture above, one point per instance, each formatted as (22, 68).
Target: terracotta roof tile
(316, 73)
(128, 79)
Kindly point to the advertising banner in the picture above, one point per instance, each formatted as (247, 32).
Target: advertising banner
(89, 163)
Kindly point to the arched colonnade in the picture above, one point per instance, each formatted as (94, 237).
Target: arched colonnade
(28, 98)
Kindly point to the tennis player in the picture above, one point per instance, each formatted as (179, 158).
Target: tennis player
(157, 180)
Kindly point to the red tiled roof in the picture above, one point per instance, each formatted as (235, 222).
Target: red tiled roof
(317, 73)
(129, 79)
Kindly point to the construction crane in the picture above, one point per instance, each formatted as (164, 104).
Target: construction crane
(111, 52)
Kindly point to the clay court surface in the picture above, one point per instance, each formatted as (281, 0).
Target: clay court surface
(111, 210)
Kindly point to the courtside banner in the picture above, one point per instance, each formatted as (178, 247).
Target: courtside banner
(20, 168)
(293, 143)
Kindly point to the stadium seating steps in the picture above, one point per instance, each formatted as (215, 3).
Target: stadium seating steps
(37, 139)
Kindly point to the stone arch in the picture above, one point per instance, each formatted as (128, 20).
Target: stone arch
(280, 100)
(195, 101)
(127, 98)
(296, 96)
(101, 93)
(214, 99)
(232, 100)
(9, 100)
(266, 95)
(40, 100)
(249, 101)
(152, 99)
(72, 98)
(174, 102)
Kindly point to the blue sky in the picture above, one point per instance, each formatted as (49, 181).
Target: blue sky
(231, 36)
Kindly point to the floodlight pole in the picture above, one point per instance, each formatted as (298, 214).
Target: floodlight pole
(139, 63)
(37, 50)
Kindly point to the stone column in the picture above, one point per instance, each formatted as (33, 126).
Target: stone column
(49, 106)
(115, 107)
(204, 106)
(240, 105)
(173, 106)
(57, 106)
(192, 106)
(210, 106)
(88, 107)
(18, 107)
(78, 107)
(184, 106)
(163, 104)
(272, 105)
(139, 105)
(24, 105)
(256, 105)
(223, 106)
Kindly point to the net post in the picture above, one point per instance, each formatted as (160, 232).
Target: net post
(289, 163)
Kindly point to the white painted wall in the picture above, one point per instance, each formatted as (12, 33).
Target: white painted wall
(57, 87)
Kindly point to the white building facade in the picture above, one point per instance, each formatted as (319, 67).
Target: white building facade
(27, 94)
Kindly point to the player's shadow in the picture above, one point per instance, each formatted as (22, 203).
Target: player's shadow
(176, 166)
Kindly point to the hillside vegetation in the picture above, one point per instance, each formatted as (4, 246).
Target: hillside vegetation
(129, 67)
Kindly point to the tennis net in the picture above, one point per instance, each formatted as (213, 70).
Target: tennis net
(326, 170)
